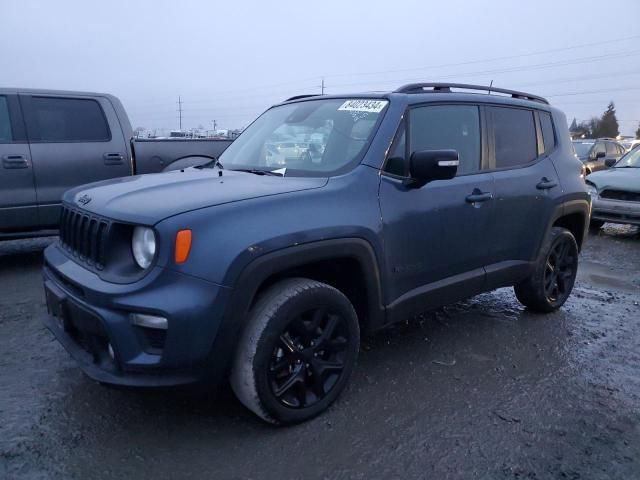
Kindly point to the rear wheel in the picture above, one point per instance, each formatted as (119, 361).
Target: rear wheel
(297, 351)
(554, 274)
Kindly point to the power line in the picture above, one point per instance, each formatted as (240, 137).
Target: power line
(607, 90)
(427, 67)
(538, 66)
(494, 59)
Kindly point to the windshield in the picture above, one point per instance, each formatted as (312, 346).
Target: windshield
(310, 138)
(631, 159)
(582, 148)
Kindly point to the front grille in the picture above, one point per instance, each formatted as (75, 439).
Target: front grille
(621, 195)
(84, 236)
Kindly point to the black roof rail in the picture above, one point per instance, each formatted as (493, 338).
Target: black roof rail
(298, 97)
(446, 87)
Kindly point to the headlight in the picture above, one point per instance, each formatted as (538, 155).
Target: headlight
(591, 190)
(143, 245)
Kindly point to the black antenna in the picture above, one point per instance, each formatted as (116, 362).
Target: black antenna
(490, 85)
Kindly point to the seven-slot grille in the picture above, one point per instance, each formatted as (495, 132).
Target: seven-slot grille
(621, 195)
(85, 236)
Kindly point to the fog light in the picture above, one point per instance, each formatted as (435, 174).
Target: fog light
(148, 321)
(111, 352)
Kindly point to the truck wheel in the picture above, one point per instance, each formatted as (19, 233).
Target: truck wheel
(297, 351)
(554, 273)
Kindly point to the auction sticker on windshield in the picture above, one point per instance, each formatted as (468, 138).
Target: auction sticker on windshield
(364, 105)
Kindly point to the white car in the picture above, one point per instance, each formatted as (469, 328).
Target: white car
(630, 144)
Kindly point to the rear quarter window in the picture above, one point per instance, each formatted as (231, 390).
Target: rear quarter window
(69, 120)
(548, 135)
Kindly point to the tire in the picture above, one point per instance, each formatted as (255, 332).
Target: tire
(299, 331)
(554, 273)
(595, 225)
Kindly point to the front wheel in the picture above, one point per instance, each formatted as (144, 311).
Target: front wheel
(554, 273)
(297, 351)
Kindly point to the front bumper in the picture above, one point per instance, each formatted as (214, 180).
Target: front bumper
(615, 211)
(90, 316)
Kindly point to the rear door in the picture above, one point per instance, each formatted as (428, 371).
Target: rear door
(595, 162)
(18, 203)
(527, 187)
(613, 152)
(74, 140)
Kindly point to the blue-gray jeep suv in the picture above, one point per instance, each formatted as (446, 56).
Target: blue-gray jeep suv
(328, 217)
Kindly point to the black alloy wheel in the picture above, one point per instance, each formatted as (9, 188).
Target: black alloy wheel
(308, 359)
(560, 270)
(553, 275)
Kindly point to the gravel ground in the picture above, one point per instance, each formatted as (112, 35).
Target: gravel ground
(481, 389)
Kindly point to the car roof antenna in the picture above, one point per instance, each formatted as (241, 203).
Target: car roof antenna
(490, 85)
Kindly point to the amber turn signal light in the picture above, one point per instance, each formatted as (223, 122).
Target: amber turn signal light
(183, 245)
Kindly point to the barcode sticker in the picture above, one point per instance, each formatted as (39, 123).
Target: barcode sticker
(364, 105)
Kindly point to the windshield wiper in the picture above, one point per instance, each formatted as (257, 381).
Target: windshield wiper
(626, 166)
(256, 171)
(212, 164)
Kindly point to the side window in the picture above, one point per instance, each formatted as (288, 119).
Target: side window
(514, 136)
(396, 161)
(548, 136)
(450, 127)
(612, 149)
(599, 147)
(5, 122)
(69, 120)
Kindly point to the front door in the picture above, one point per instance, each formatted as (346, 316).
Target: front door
(74, 140)
(434, 235)
(18, 202)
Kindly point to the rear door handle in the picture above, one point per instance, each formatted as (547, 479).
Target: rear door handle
(478, 196)
(546, 184)
(15, 161)
(113, 159)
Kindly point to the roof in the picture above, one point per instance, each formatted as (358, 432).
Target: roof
(39, 91)
(438, 92)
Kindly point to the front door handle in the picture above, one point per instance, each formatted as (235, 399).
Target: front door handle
(546, 184)
(113, 159)
(478, 196)
(15, 161)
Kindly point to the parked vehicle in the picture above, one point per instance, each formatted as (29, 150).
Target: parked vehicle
(630, 144)
(595, 153)
(421, 197)
(616, 192)
(51, 141)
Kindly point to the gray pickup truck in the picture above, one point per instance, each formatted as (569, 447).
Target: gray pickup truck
(51, 141)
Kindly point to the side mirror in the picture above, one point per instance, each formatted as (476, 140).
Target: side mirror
(600, 155)
(610, 162)
(428, 165)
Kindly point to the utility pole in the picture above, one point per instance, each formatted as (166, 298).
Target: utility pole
(180, 110)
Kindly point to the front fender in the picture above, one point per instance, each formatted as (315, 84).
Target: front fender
(260, 269)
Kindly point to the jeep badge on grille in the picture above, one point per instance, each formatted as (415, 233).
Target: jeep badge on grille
(84, 199)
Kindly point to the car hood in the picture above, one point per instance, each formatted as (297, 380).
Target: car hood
(627, 179)
(148, 199)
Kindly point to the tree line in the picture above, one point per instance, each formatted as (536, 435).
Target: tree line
(596, 127)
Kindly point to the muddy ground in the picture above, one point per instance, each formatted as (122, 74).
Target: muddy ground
(482, 389)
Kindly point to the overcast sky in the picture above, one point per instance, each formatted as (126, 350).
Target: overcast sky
(230, 60)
